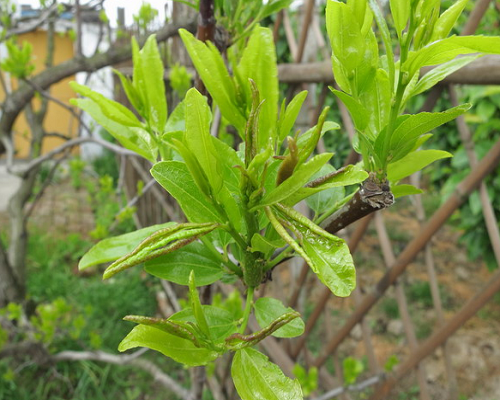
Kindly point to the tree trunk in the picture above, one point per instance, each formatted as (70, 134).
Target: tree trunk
(10, 290)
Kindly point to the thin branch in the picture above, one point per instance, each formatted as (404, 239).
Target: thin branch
(134, 201)
(172, 297)
(126, 359)
(46, 184)
(33, 25)
(351, 388)
(72, 143)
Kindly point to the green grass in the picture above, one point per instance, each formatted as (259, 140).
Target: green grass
(99, 306)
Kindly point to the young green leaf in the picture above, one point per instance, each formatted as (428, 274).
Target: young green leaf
(447, 20)
(377, 101)
(414, 162)
(400, 10)
(415, 125)
(154, 85)
(180, 350)
(405, 190)
(161, 242)
(123, 134)
(256, 378)
(165, 325)
(220, 321)
(358, 112)
(111, 109)
(176, 267)
(321, 201)
(258, 63)
(113, 248)
(268, 309)
(198, 139)
(447, 49)
(131, 92)
(299, 178)
(437, 74)
(194, 300)
(289, 116)
(238, 341)
(344, 31)
(265, 245)
(327, 255)
(350, 175)
(210, 65)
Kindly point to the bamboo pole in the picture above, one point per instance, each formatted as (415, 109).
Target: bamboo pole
(484, 167)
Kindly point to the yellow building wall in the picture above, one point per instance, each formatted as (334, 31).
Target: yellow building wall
(58, 119)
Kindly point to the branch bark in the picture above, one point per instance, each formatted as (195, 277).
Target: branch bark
(18, 99)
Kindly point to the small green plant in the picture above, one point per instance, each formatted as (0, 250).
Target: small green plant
(19, 60)
(391, 363)
(352, 369)
(308, 379)
(180, 80)
(239, 202)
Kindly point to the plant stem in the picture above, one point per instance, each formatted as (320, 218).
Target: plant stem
(248, 309)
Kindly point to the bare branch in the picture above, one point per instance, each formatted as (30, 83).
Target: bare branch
(33, 25)
(72, 143)
(351, 388)
(128, 359)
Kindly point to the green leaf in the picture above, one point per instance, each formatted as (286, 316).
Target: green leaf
(268, 309)
(273, 6)
(414, 162)
(377, 101)
(358, 112)
(405, 190)
(220, 321)
(194, 167)
(327, 255)
(177, 120)
(256, 378)
(161, 242)
(352, 369)
(350, 175)
(194, 300)
(415, 125)
(264, 244)
(447, 20)
(176, 267)
(258, 63)
(239, 341)
(400, 10)
(111, 109)
(386, 39)
(198, 138)
(154, 84)
(288, 118)
(180, 350)
(296, 181)
(176, 179)
(344, 31)
(210, 65)
(123, 134)
(447, 49)
(111, 249)
(437, 74)
(319, 202)
(130, 91)
(305, 138)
